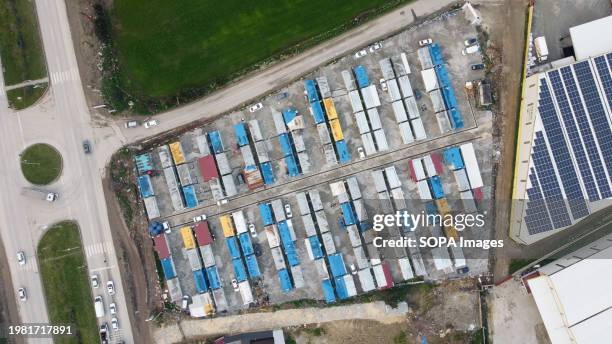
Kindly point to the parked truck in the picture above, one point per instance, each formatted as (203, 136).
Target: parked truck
(541, 48)
(40, 194)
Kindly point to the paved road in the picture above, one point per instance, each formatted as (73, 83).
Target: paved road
(61, 119)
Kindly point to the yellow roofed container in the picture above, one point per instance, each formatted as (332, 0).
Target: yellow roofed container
(336, 130)
(187, 235)
(227, 225)
(177, 153)
(330, 109)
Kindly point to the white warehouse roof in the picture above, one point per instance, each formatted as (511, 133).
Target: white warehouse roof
(575, 302)
(588, 39)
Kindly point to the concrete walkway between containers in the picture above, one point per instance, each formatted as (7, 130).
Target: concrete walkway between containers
(197, 328)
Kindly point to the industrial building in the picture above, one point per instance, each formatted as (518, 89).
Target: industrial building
(573, 295)
(564, 159)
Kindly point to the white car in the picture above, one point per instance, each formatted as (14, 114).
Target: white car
(470, 50)
(112, 308)
(235, 285)
(425, 42)
(131, 124)
(252, 230)
(361, 153)
(383, 85)
(21, 292)
(361, 53)
(110, 287)
(199, 218)
(256, 107)
(115, 324)
(353, 269)
(166, 226)
(375, 47)
(288, 211)
(222, 202)
(94, 281)
(21, 258)
(151, 123)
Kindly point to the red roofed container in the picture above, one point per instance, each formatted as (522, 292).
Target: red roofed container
(161, 246)
(208, 167)
(202, 233)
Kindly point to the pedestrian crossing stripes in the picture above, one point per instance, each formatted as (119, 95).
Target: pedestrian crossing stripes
(98, 248)
(64, 76)
(29, 266)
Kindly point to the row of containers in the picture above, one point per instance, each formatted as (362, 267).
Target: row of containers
(365, 101)
(257, 167)
(403, 100)
(289, 126)
(281, 241)
(323, 111)
(209, 297)
(438, 86)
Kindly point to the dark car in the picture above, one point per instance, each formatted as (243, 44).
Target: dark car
(477, 66)
(86, 147)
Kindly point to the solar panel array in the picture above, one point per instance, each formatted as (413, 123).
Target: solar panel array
(571, 157)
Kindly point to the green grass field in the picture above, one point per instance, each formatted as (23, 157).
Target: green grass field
(64, 274)
(41, 164)
(21, 98)
(171, 47)
(20, 45)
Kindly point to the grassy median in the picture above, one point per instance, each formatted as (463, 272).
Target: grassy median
(183, 47)
(21, 51)
(41, 164)
(65, 279)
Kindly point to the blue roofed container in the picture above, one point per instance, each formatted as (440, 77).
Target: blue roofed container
(252, 266)
(291, 253)
(213, 277)
(348, 214)
(455, 116)
(436, 54)
(200, 281)
(431, 209)
(436, 187)
(232, 247)
(343, 153)
(285, 143)
(361, 76)
(289, 115)
(214, 137)
(283, 230)
(315, 245)
(190, 196)
(328, 291)
(144, 162)
(285, 280)
(245, 243)
(267, 173)
(168, 267)
(145, 187)
(336, 264)
(239, 269)
(265, 211)
(452, 156)
(292, 167)
(311, 90)
(341, 288)
(317, 112)
(241, 134)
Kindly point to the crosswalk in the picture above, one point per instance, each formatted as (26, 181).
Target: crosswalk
(99, 248)
(64, 76)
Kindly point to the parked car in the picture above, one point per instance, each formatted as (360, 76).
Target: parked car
(477, 66)
(288, 211)
(361, 53)
(425, 42)
(383, 85)
(110, 287)
(115, 324)
(282, 95)
(222, 202)
(470, 41)
(23, 296)
(150, 123)
(375, 47)
(86, 147)
(112, 308)
(353, 269)
(199, 218)
(166, 226)
(252, 230)
(94, 281)
(131, 124)
(21, 258)
(470, 50)
(185, 302)
(361, 152)
(235, 285)
(255, 107)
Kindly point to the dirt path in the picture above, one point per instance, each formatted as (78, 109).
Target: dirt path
(194, 328)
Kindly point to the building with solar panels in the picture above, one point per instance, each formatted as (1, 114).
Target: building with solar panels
(564, 150)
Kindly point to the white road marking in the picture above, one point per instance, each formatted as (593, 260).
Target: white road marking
(99, 248)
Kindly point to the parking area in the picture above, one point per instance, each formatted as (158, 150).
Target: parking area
(290, 190)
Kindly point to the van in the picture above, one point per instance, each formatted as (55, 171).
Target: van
(99, 306)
